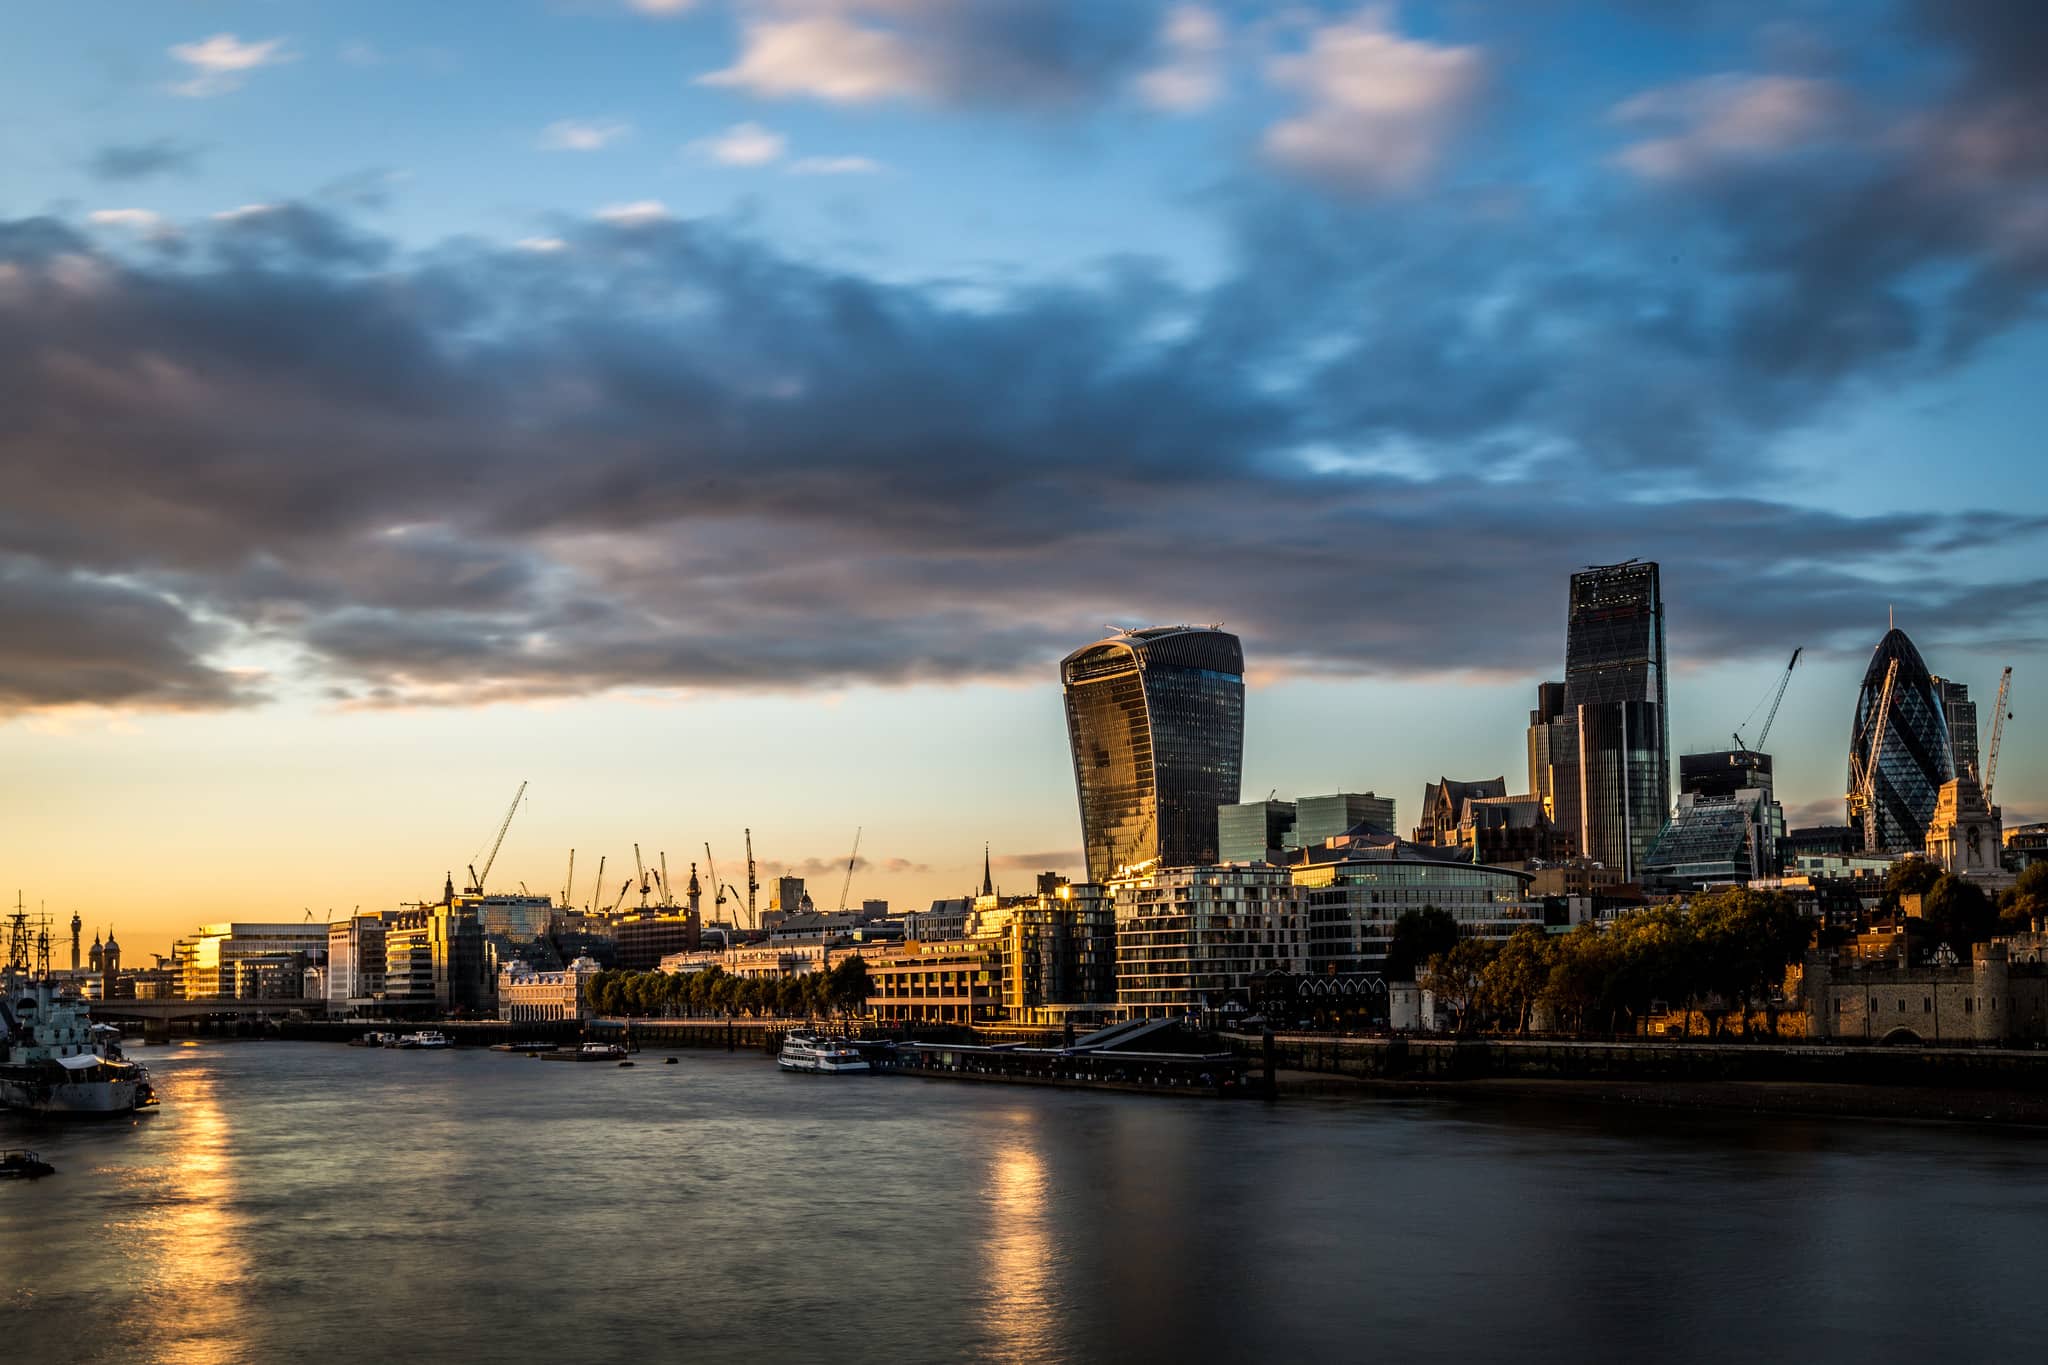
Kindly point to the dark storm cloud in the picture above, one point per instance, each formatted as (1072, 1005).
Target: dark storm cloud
(127, 161)
(667, 455)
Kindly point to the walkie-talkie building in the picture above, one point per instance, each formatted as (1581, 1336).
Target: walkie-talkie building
(1914, 758)
(1614, 696)
(1156, 722)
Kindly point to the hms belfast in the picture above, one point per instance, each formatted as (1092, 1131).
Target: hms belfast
(53, 1058)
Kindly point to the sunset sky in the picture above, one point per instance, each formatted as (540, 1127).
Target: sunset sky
(726, 414)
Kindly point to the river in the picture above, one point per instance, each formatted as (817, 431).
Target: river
(309, 1202)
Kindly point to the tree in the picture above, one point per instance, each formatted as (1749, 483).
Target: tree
(1458, 979)
(1908, 877)
(849, 988)
(1515, 979)
(2025, 901)
(1419, 935)
(1959, 913)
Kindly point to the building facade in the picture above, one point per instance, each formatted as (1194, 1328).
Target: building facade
(1901, 770)
(1254, 831)
(1961, 714)
(1319, 818)
(1963, 836)
(1612, 731)
(1191, 939)
(529, 996)
(1155, 722)
(204, 962)
(1354, 898)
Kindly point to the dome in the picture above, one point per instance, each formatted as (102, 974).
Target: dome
(1914, 760)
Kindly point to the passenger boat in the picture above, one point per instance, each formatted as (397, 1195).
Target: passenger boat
(425, 1038)
(818, 1056)
(55, 1060)
(600, 1052)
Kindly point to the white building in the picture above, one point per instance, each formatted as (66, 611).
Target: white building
(527, 995)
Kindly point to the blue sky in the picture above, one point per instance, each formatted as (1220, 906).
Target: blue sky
(726, 413)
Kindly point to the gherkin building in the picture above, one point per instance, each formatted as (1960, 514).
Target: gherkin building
(1914, 758)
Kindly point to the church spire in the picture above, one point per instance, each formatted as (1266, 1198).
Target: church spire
(988, 885)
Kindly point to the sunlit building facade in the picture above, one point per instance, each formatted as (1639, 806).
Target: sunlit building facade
(1912, 759)
(1193, 939)
(1155, 719)
(1354, 896)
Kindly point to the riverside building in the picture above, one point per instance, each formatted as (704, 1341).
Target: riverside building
(528, 996)
(1155, 722)
(1354, 890)
(204, 962)
(1190, 939)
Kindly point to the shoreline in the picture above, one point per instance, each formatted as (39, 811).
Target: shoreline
(1785, 1099)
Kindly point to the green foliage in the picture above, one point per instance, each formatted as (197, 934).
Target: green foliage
(1419, 935)
(2025, 901)
(1458, 978)
(1959, 913)
(1908, 877)
(718, 994)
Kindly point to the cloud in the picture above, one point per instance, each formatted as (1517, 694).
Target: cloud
(823, 872)
(1732, 117)
(143, 222)
(1189, 76)
(743, 144)
(993, 52)
(582, 135)
(638, 213)
(126, 161)
(835, 165)
(661, 9)
(1380, 109)
(541, 244)
(223, 62)
(473, 472)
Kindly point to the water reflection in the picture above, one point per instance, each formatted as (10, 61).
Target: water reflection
(1018, 1280)
(186, 1242)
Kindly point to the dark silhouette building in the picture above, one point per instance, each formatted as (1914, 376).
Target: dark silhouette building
(1913, 758)
(1615, 703)
(1155, 719)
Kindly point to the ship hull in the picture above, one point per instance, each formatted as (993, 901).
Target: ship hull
(73, 1099)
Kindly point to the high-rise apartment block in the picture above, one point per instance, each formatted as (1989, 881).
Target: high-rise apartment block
(1155, 719)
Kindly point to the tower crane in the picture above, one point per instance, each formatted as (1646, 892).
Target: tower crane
(717, 886)
(668, 891)
(640, 874)
(851, 858)
(1998, 731)
(1777, 698)
(569, 882)
(1863, 765)
(624, 887)
(597, 887)
(477, 878)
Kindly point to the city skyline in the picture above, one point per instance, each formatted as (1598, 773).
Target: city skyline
(727, 417)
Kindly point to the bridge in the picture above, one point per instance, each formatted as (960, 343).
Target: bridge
(157, 1016)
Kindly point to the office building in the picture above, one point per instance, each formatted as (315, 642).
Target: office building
(1724, 772)
(1552, 768)
(1895, 779)
(527, 995)
(1053, 950)
(1254, 831)
(1961, 714)
(1193, 939)
(355, 962)
(647, 936)
(1717, 839)
(1155, 721)
(521, 918)
(1614, 694)
(204, 962)
(1318, 818)
(436, 960)
(1354, 894)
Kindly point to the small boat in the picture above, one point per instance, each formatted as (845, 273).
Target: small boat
(818, 1056)
(428, 1038)
(20, 1164)
(600, 1052)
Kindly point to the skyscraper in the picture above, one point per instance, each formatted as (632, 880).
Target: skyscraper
(1614, 693)
(1961, 714)
(1913, 759)
(1155, 719)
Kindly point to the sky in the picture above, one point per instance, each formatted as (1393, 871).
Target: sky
(722, 415)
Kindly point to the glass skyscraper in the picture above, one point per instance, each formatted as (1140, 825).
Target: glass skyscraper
(1915, 758)
(1614, 700)
(1156, 722)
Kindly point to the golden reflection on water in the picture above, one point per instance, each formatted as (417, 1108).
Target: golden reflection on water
(1019, 1280)
(186, 1256)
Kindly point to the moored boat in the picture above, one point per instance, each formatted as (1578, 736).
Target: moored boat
(806, 1053)
(55, 1060)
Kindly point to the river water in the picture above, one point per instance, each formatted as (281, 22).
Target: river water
(308, 1202)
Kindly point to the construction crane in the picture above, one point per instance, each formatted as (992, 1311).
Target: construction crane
(847, 885)
(1777, 697)
(476, 879)
(1999, 718)
(624, 887)
(1863, 764)
(569, 882)
(668, 891)
(753, 884)
(717, 886)
(640, 874)
(597, 887)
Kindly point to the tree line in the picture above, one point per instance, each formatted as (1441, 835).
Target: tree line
(1726, 952)
(718, 994)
